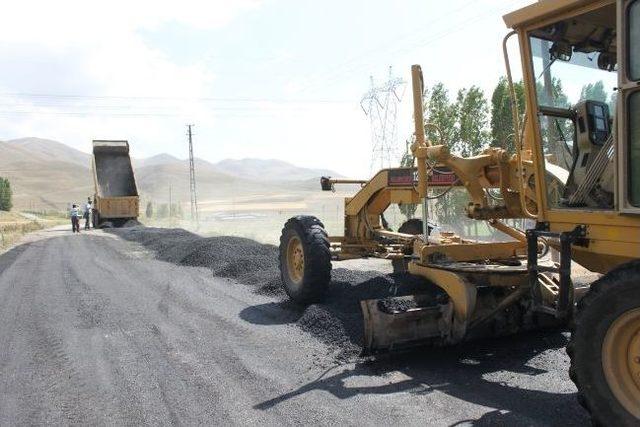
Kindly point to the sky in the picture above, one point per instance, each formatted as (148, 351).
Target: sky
(257, 78)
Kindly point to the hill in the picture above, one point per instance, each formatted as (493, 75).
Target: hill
(270, 170)
(48, 149)
(158, 159)
(154, 181)
(44, 178)
(47, 174)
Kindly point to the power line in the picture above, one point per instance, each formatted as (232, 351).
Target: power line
(390, 44)
(175, 98)
(345, 68)
(137, 115)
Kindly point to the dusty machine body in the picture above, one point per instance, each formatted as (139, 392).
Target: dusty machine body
(116, 197)
(575, 174)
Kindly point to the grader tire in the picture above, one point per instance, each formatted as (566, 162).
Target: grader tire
(305, 259)
(414, 226)
(605, 348)
(411, 226)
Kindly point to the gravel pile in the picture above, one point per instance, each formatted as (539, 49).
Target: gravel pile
(342, 304)
(337, 321)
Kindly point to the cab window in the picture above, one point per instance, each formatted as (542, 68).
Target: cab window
(634, 148)
(634, 41)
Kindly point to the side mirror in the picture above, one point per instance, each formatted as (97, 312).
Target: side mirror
(561, 51)
(607, 61)
(326, 184)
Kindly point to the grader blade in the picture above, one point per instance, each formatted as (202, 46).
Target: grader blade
(389, 325)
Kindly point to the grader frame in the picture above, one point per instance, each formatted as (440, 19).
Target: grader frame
(506, 285)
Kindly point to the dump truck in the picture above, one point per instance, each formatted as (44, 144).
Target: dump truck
(574, 173)
(116, 199)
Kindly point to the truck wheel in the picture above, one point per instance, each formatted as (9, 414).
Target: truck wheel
(96, 220)
(305, 259)
(605, 348)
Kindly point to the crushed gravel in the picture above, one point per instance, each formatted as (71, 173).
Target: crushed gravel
(337, 321)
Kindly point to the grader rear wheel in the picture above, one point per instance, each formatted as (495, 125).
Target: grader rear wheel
(410, 226)
(305, 259)
(605, 348)
(621, 359)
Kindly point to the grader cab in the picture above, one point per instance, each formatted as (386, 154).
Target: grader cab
(575, 174)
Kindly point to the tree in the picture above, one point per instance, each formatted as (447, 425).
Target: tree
(407, 209)
(471, 134)
(613, 100)
(163, 210)
(502, 128)
(552, 96)
(593, 92)
(149, 211)
(441, 113)
(6, 195)
(176, 210)
(555, 131)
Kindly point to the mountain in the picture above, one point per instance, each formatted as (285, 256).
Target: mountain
(42, 177)
(47, 149)
(270, 170)
(158, 159)
(47, 174)
(154, 181)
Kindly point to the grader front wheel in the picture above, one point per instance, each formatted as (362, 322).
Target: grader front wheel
(305, 259)
(605, 348)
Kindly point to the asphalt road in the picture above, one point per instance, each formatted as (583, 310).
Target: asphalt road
(95, 331)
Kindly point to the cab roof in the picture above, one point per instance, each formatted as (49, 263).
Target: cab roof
(543, 9)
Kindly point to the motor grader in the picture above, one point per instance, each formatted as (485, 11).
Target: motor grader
(575, 174)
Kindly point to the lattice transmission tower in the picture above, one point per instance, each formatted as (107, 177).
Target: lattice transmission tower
(192, 179)
(381, 104)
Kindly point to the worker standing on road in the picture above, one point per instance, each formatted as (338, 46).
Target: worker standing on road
(75, 218)
(87, 213)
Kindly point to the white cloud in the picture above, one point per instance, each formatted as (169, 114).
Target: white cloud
(95, 48)
(98, 49)
(78, 22)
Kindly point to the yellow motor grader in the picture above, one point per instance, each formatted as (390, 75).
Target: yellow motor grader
(575, 174)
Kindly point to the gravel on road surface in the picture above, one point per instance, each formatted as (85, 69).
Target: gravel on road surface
(95, 330)
(337, 321)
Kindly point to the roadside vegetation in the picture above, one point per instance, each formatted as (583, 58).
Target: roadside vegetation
(469, 123)
(14, 225)
(6, 202)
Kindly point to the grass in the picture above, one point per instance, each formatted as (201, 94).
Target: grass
(262, 218)
(14, 225)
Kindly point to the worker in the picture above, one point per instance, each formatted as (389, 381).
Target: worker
(75, 218)
(87, 213)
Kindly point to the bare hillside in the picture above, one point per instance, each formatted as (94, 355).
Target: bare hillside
(270, 169)
(47, 149)
(154, 181)
(47, 174)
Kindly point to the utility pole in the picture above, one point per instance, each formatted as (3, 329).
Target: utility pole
(170, 206)
(192, 180)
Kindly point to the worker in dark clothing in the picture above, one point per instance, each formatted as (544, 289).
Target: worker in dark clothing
(75, 218)
(87, 214)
